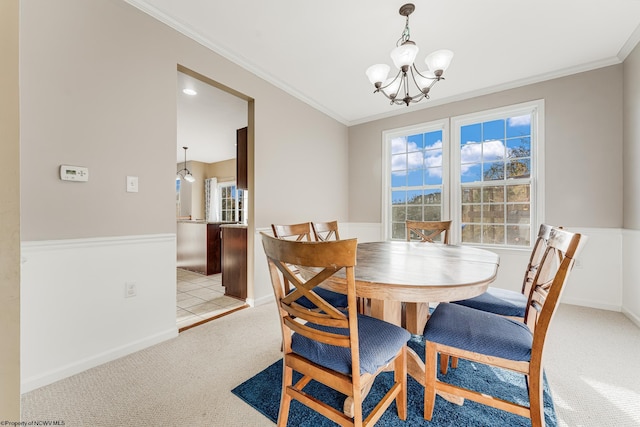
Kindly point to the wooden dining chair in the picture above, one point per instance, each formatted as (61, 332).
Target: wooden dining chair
(507, 302)
(340, 349)
(495, 340)
(324, 231)
(296, 232)
(303, 233)
(428, 231)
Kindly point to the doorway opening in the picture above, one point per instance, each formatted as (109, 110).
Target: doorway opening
(209, 117)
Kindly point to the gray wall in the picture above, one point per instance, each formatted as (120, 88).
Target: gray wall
(98, 90)
(583, 151)
(632, 140)
(9, 214)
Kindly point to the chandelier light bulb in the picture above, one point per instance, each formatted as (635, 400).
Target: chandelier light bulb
(404, 55)
(378, 73)
(439, 60)
(392, 87)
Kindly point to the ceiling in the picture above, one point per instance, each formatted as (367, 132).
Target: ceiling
(207, 121)
(319, 51)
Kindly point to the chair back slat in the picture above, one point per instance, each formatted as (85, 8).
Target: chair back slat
(324, 231)
(428, 231)
(557, 261)
(297, 232)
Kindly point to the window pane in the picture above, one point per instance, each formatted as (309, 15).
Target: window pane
(399, 179)
(415, 142)
(471, 233)
(414, 197)
(433, 139)
(432, 213)
(493, 171)
(398, 197)
(398, 145)
(518, 193)
(518, 235)
(433, 158)
(432, 197)
(519, 147)
(398, 231)
(414, 178)
(518, 214)
(470, 195)
(493, 194)
(493, 150)
(519, 168)
(471, 213)
(470, 133)
(399, 162)
(493, 130)
(519, 125)
(493, 214)
(493, 234)
(471, 173)
(398, 213)
(414, 213)
(415, 160)
(433, 176)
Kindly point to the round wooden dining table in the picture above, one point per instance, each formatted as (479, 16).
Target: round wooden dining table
(400, 279)
(390, 273)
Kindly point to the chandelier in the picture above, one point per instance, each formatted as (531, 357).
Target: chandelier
(403, 56)
(184, 172)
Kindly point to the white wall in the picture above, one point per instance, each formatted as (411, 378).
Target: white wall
(75, 314)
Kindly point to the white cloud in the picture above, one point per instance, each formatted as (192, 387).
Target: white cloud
(471, 153)
(520, 120)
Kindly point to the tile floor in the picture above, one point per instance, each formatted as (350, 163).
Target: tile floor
(201, 297)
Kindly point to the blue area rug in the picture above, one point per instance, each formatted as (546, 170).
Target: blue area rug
(263, 393)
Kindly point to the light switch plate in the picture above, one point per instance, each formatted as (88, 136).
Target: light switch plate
(132, 184)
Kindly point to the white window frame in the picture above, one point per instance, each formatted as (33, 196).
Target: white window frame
(224, 184)
(536, 109)
(387, 137)
(451, 182)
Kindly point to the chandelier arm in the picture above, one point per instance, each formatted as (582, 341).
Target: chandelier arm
(414, 69)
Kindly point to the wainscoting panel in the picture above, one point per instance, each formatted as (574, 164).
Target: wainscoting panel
(74, 312)
(631, 275)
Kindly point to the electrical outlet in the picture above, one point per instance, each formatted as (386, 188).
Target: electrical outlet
(577, 263)
(130, 289)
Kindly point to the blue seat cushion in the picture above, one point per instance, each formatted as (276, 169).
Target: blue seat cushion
(499, 301)
(334, 298)
(479, 331)
(379, 342)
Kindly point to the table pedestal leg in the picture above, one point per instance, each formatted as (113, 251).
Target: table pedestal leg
(390, 311)
(416, 315)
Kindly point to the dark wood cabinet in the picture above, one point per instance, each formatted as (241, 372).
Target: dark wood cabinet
(199, 247)
(234, 261)
(242, 181)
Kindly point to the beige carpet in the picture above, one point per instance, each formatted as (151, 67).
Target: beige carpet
(591, 364)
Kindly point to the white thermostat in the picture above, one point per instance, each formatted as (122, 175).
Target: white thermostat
(74, 173)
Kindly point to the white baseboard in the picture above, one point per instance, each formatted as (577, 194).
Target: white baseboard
(28, 384)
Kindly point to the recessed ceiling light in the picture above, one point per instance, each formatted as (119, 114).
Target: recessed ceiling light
(189, 91)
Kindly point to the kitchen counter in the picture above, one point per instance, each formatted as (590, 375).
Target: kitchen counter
(199, 246)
